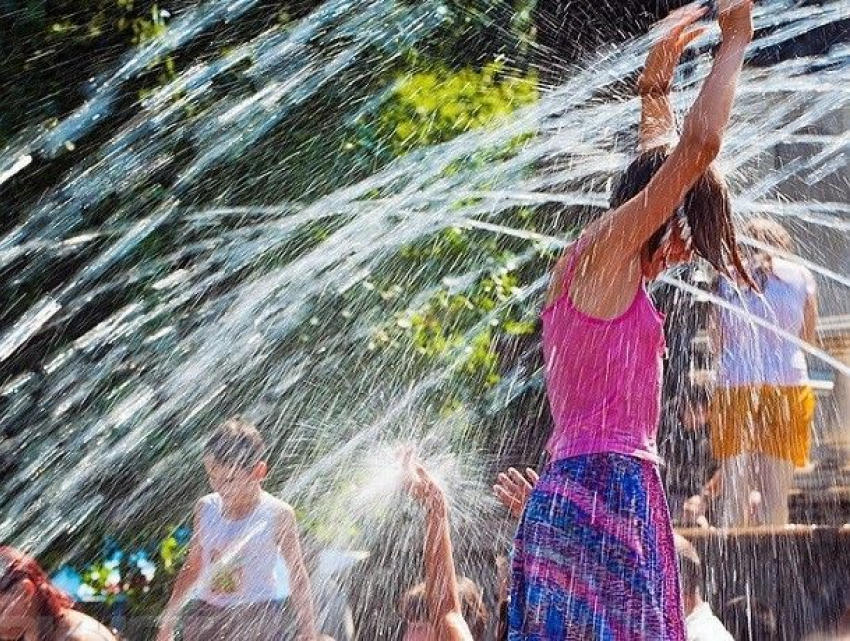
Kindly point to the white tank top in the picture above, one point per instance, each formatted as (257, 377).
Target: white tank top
(754, 355)
(241, 559)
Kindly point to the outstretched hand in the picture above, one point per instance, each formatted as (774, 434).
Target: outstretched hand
(419, 483)
(675, 33)
(512, 489)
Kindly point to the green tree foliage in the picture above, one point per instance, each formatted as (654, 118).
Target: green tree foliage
(430, 106)
(431, 95)
(438, 104)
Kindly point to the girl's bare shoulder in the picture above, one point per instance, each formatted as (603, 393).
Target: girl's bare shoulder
(279, 507)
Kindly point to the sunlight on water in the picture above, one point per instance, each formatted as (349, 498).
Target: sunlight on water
(247, 313)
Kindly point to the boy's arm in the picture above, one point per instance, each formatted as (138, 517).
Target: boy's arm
(186, 580)
(441, 590)
(454, 628)
(302, 597)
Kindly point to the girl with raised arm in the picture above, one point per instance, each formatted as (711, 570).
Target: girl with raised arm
(594, 556)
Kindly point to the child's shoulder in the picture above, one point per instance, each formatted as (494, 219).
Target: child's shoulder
(278, 507)
(206, 505)
(208, 500)
(796, 275)
(84, 628)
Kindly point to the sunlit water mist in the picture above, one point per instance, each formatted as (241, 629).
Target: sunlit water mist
(248, 311)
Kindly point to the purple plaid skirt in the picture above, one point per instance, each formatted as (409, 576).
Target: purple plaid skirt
(594, 556)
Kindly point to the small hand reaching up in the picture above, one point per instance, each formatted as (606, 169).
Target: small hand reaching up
(512, 489)
(424, 488)
(441, 589)
(421, 486)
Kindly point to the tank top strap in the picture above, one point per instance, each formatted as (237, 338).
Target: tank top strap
(567, 277)
(266, 507)
(209, 514)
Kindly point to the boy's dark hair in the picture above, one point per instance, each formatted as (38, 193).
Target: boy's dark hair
(690, 566)
(236, 443)
(414, 608)
(748, 619)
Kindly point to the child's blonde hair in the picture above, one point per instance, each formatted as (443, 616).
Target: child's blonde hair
(413, 606)
(769, 232)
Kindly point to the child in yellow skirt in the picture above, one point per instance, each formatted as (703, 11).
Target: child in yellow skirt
(763, 406)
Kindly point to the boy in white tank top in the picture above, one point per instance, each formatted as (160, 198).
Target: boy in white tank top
(231, 579)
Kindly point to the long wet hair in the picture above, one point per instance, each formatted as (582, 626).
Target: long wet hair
(707, 207)
(15, 566)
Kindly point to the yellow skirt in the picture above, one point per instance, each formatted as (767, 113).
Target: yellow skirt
(763, 419)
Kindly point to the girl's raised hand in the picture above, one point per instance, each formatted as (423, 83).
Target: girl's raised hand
(672, 35)
(736, 19)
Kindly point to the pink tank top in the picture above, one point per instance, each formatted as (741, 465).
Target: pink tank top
(603, 377)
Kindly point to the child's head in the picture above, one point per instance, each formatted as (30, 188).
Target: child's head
(747, 618)
(414, 610)
(26, 594)
(703, 224)
(767, 232)
(234, 457)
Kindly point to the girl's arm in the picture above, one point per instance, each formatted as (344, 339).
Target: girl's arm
(185, 581)
(615, 240)
(810, 311)
(657, 124)
(715, 333)
(441, 589)
(302, 597)
(810, 319)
